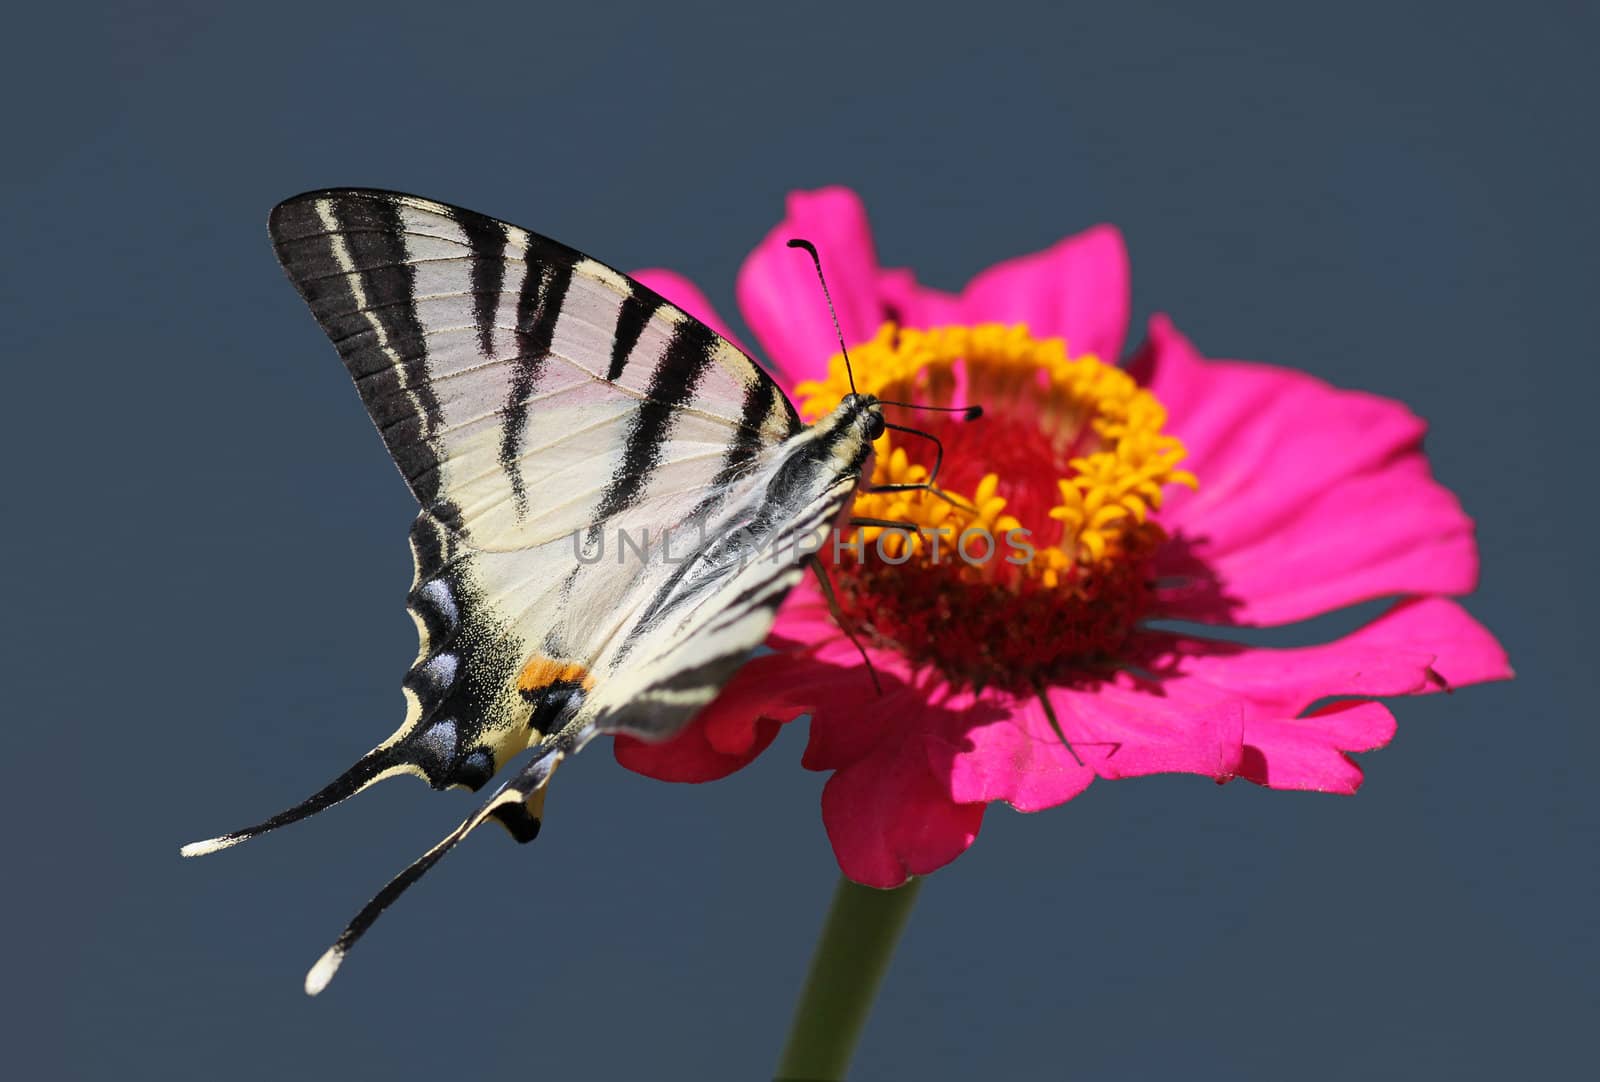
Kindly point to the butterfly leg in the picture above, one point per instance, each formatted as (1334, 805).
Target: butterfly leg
(838, 618)
(923, 486)
(933, 475)
(886, 524)
(938, 447)
(1050, 716)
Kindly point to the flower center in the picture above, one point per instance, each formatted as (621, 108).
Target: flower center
(1030, 562)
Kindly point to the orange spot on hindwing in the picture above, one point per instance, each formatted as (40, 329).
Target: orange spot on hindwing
(555, 689)
(541, 673)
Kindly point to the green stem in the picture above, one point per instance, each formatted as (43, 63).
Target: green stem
(852, 956)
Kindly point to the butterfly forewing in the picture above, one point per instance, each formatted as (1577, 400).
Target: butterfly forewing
(524, 390)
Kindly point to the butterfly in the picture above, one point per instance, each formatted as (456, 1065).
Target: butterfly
(540, 404)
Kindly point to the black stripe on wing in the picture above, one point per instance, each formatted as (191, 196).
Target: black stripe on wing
(488, 240)
(538, 309)
(688, 355)
(634, 315)
(760, 400)
(347, 258)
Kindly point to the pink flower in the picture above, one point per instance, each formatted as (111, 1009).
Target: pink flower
(1025, 682)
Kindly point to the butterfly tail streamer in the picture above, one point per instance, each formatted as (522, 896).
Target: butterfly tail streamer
(373, 767)
(518, 805)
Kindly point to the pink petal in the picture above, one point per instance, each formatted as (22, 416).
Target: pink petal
(1310, 498)
(778, 291)
(853, 719)
(686, 295)
(1018, 759)
(1418, 646)
(912, 305)
(1391, 532)
(1308, 753)
(889, 818)
(1465, 652)
(888, 808)
(804, 623)
(1141, 733)
(1120, 729)
(849, 728)
(738, 725)
(691, 756)
(804, 619)
(1078, 290)
(1262, 439)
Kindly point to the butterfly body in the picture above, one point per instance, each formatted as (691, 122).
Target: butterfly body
(614, 499)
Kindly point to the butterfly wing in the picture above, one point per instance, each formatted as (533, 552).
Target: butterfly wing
(538, 404)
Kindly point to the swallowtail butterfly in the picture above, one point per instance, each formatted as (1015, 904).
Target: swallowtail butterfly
(538, 402)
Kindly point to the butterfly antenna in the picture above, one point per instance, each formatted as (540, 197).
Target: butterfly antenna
(816, 260)
(968, 413)
(938, 446)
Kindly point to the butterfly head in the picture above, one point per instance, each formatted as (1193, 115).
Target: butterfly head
(865, 413)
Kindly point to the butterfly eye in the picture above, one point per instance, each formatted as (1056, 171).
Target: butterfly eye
(874, 425)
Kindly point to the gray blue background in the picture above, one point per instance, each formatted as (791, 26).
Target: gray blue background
(206, 543)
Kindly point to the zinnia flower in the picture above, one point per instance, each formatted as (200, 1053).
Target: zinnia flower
(1214, 492)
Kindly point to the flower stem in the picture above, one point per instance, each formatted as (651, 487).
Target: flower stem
(852, 956)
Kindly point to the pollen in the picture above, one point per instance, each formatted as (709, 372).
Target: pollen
(1027, 557)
